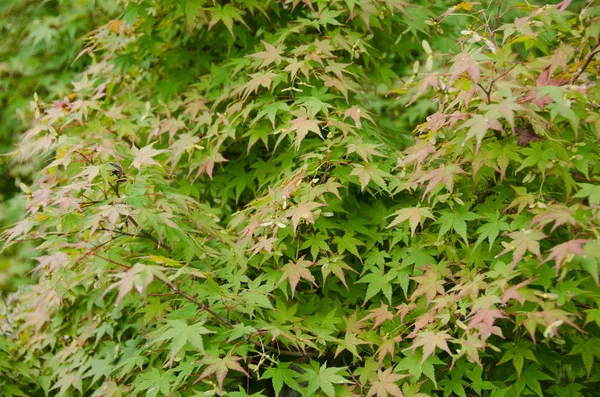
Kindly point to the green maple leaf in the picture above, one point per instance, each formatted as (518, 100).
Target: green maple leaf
(378, 281)
(592, 192)
(532, 376)
(226, 14)
(492, 229)
(155, 381)
(414, 364)
(180, 333)
(316, 242)
(280, 375)
(456, 219)
(589, 350)
(324, 378)
(348, 242)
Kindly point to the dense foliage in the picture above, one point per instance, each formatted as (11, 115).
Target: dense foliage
(40, 40)
(325, 197)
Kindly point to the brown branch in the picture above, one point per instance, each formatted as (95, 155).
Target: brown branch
(587, 61)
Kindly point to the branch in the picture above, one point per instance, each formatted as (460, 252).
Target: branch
(587, 61)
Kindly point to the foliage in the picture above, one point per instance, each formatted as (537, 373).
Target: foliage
(329, 197)
(38, 50)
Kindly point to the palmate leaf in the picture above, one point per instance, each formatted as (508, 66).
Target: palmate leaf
(369, 173)
(414, 215)
(523, 241)
(280, 375)
(561, 251)
(294, 271)
(322, 378)
(430, 340)
(226, 14)
(144, 156)
(220, 367)
(138, 276)
(386, 384)
(180, 333)
(302, 125)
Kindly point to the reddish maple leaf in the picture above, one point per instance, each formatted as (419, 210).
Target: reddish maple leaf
(219, 367)
(429, 284)
(294, 271)
(465, 63)
(302, 126)
(380, 315)
(303, 211)
(561, 251)
(484, 319)
(443, 174)
(523, 241)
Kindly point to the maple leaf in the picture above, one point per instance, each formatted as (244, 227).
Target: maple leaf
(226, 14)
(513, 292)
(485, 317)
(559, 214)
(257, 80)
(138, 276)
(431, 80)
(564, 250)
(527, 135)
(335, 265)
(414, 215)
(417, 153)
(280, 375)
(367, 173)
(386, 384)
(505, 109)
(144, 156)
(456, 219)
(429, 285)
(303, 211)
(302, 126)
(436, 176)
(180, 333)
(220, 367)
(323, 379)
(470, 347)
(356, 113)
(387, 347)
(364, 150)
(350, 343)
(523, 241)
(183, 143)
(294, 271)
(271, 55)
(21, 228)
(429, 340)
(479, 125)
(265, 243)
(465, 63)
(380, 315)
(560, 58)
